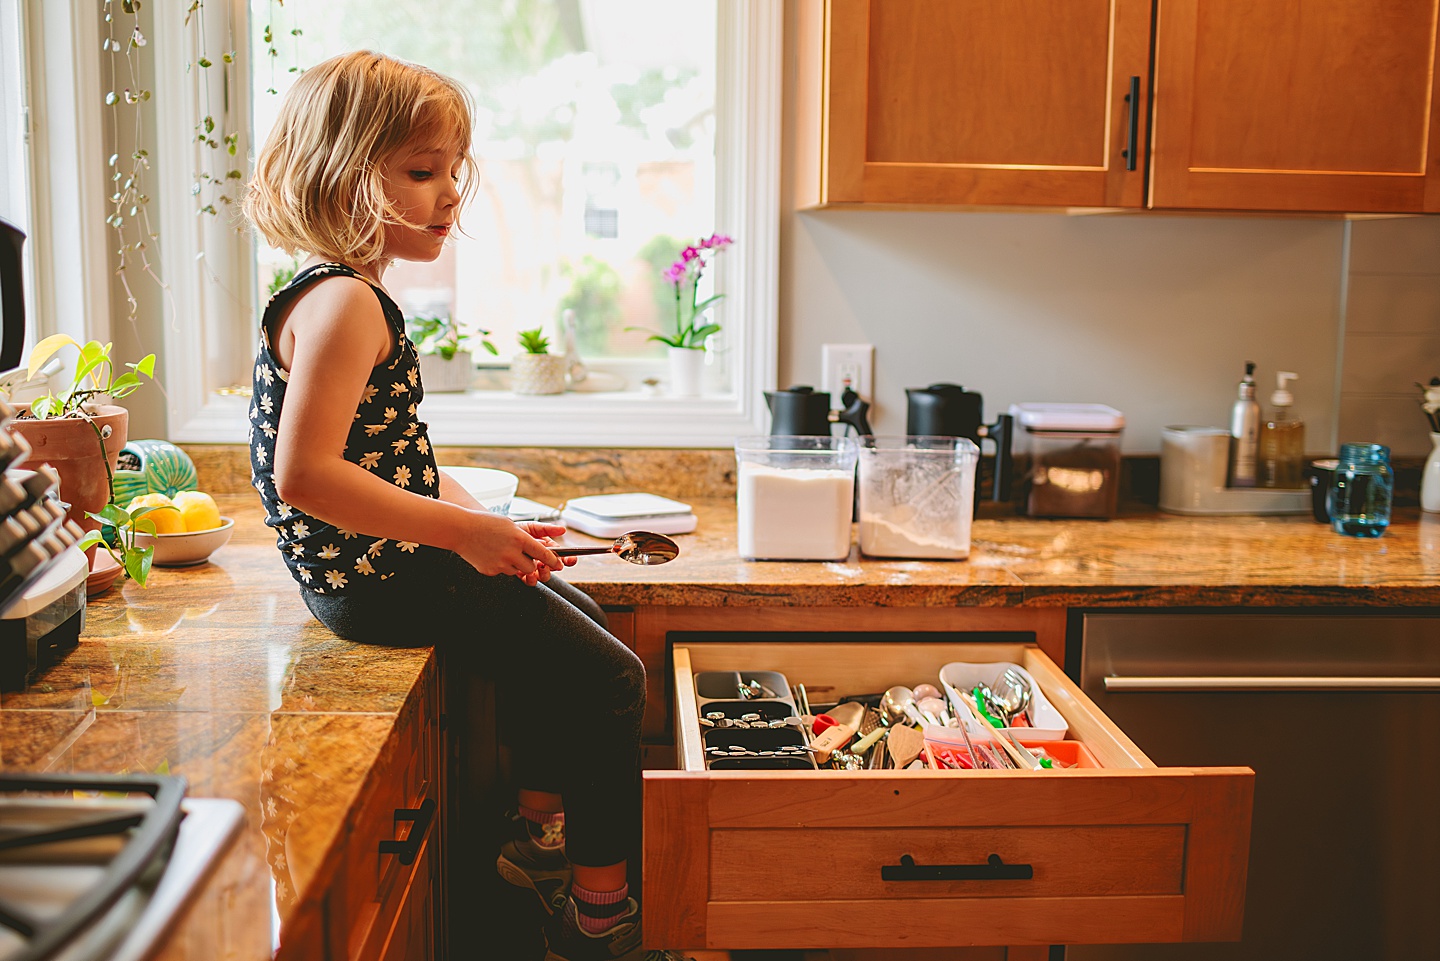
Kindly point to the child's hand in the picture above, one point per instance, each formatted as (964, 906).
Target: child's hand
(545, 533)
(496, 545)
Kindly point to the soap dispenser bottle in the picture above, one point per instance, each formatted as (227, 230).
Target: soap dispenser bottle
(1244, 434)
(1282, 439)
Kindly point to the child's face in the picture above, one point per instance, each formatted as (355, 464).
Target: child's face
(423, 183)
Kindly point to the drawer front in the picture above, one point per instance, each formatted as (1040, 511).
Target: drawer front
(762, 859)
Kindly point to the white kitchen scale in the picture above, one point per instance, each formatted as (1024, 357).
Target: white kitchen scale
(610, 515)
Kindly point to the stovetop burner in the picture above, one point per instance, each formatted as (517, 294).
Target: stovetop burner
(92, 866)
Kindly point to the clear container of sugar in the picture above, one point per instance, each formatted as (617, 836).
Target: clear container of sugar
(794, 497)
(917, 496)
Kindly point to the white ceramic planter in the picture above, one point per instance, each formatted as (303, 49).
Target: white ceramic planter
(1430, 478)
(447, 376)
(687, 371)
(537, 374)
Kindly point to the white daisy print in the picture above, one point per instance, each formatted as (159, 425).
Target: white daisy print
(297, 550)
(305, 575)
(414, 375)
(423, 445)
(335, 579)
(347, 534)
(410, 431)
(397, 388)
(254, 412)
(260, 453)
(371, 459)
(372, 429)
(377, 546)
(402, 476)
(266, 374)
(268, 430)
(285, 509)
(400, 445)
(266, 404)
(369, 393)
(301, 529)
(390, 414)
(363, 566)
(328, 552)
(429, 475)
(413, 408)
(407, 546)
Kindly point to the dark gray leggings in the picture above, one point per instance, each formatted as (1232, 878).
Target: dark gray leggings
(570, 696)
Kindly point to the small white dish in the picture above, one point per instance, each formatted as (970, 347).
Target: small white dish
(493, 488)
(191, 547)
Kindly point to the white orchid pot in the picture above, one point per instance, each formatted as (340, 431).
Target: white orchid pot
(687, 371)
(537, 374)
(442, 376)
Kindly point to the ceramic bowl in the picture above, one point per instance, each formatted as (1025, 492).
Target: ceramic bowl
(492, 488)
(191, 547)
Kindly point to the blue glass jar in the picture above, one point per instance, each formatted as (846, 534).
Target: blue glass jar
(1359, 500)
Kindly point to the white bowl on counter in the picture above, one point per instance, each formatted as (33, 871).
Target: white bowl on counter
(493, 488)
(188, 547)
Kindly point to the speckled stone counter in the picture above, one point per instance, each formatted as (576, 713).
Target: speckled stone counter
(218, 673)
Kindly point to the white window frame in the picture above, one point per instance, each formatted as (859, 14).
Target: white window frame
(748, 200)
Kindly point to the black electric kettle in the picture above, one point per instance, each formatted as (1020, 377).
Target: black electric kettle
(12, 296)
(804, 411)
(949, 410)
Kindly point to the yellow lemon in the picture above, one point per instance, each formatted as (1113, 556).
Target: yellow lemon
(198, 509)
(165, 521)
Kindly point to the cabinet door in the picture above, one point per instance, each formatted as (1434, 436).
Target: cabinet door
(1323, 105)
(982, 102)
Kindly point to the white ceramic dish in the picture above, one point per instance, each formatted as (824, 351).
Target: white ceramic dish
(493, 488)
(191, 547)
(1047, 724)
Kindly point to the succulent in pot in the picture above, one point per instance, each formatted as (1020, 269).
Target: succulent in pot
(535, 370)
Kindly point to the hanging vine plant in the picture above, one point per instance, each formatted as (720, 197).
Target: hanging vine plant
(129, 214)
(218, 177)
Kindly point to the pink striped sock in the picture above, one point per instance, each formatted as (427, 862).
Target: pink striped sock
(547, 828)
(598, 911)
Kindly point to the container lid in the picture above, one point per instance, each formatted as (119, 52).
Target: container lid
(628, 505)
(1078, 417)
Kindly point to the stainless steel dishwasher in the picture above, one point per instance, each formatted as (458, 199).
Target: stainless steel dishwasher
(1339, 715)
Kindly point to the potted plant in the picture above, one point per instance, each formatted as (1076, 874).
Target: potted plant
(78, 431)
(535, 370)
(134, 560)
(687, 345)
(446, 361)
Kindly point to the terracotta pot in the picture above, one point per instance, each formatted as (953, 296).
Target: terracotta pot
(69, 445)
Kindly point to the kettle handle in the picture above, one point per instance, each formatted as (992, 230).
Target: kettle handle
(1002, 432)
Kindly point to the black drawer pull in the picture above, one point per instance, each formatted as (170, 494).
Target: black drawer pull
(1132, 99)
(993, 869)
(419, 818)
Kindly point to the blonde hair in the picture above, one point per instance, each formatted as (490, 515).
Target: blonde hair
(318, 186)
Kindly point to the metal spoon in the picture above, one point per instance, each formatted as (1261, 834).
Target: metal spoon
(1011, 693)
(637, 547)
(897, 706)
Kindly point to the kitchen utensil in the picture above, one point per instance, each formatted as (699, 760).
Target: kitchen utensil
(898, 707)
(949, 410)
(802, 410)
(1011, 692)
(847, 718)
(636, 547)
(904, 745)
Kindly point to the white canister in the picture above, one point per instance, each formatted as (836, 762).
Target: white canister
(794, 497)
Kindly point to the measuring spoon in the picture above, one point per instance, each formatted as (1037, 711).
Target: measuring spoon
(637, 547)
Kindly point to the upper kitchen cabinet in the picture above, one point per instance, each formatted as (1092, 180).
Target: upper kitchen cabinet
(977, 102)
(1299, 105)
(1325, 105)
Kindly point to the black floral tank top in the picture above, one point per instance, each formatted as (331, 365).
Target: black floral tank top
(387, 437)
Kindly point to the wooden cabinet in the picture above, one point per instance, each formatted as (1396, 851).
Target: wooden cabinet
(1128, 852)
(1320, 105)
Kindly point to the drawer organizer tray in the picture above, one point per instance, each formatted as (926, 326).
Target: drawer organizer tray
(718, 699)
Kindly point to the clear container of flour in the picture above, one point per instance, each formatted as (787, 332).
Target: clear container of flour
(794, 497)
(917, 496)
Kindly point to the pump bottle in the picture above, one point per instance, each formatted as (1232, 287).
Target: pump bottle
(1244, 434)
(1282, 439)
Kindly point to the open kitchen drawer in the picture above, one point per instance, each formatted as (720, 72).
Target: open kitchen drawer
(792, 859)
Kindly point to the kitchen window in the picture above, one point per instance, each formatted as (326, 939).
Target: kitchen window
(622, 130)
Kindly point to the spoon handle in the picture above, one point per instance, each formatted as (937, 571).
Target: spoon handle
(578, 551)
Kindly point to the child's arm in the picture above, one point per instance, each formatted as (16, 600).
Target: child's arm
(335, 335)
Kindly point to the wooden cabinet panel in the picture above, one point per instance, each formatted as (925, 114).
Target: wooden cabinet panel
(976, 101)
(1322, 105)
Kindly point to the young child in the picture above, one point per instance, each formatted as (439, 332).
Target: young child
(369, 163)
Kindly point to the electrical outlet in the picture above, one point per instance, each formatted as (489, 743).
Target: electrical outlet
(847, 365)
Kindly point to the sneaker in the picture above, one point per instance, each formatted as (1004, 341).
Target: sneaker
(546, 873)
(566, 942)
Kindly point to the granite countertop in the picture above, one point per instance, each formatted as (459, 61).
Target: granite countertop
(218, 672)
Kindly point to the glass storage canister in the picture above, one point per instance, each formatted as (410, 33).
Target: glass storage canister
(1359, 499)
(917, 496)
(1067, 458)
(794, 497)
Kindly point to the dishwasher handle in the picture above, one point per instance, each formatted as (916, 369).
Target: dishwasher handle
(1270, 682)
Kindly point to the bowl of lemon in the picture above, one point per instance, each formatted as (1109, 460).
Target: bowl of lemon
(188, 527)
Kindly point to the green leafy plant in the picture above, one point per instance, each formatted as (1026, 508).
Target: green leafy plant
(684, 276)
(442, 336)
(119, 540)
(533, 341)
(95, 376)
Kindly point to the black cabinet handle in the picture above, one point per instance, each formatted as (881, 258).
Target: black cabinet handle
(993, 869)
(1133, 100)
(419, 818)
